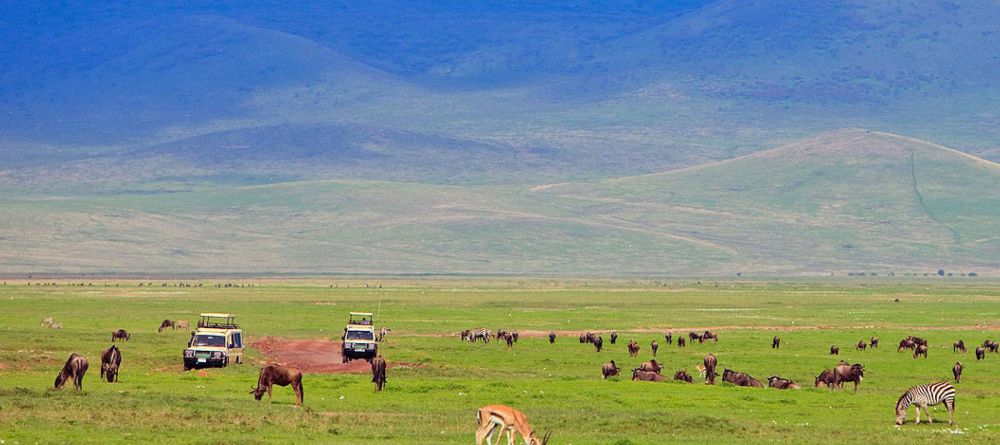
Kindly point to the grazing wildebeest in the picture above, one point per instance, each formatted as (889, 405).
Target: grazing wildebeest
(683, 376)
(781, 383)
(848, 373)
(650, 366)
(834, 350)
(920, 350)
(515, 335)
(861, 345)
(466, 335)
(598, 343)
(75, 368)
(957, 372)
(710, 363)
(654, 346)
(182, 325)
(614, 337)
(119, 335)
(825, 378)
(501, 334)
(991, 345)
(740, 379)
(610, 369)
(874, 342)
(646, 376)
(980, 353)
(111, 362)
(279, 375)
(591, 337)
(694, 336)
(958, 346)
(509, 339)
(775, 342)
(906, 343)
(378, 372)
(681, 342)
(166, 324)
(709, 335)
(552, 337)
(633, 348)
(669, 337)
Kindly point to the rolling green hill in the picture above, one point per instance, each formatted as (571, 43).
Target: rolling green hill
(846, 201)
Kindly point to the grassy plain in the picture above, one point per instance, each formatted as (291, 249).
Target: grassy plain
(434, 398)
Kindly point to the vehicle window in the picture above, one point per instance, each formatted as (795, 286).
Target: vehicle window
(209, 340)
(360, 335)
(238, 340)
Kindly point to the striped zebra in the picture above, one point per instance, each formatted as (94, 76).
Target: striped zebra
(480, 334)
(927, 395)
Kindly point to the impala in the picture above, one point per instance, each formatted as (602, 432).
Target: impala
(498, 419)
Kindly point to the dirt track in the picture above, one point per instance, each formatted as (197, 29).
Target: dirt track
(309, 356)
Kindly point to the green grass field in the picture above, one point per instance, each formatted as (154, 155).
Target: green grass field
(434, 398)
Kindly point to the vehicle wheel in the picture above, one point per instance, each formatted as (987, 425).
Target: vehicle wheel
(187, 368)
(225, 362)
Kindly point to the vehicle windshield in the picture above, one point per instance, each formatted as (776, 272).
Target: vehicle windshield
(209, 340)
(360, 335)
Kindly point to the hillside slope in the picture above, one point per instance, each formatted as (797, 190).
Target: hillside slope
(845, 201)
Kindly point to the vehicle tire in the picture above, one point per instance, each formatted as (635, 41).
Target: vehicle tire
(186, 367)
(225, 362)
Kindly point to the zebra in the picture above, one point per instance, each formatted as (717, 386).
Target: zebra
(480, 334)
(927, 395)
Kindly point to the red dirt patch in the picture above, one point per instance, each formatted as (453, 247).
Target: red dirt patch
(309, 356)
(3, 366)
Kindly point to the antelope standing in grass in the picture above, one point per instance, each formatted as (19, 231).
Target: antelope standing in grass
(500, 419)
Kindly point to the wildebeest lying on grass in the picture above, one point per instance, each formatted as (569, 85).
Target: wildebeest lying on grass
(825, 378)
(848, 373)
(682, 375)
(75, 368)
(740, 379)
(781, 383)
(278, 375)
(646, 376)
(610, 369)
(378, 372)
(111, 362)
(650, 366)
(120, 334)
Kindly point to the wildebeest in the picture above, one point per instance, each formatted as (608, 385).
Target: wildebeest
(378, 372)
(775, 342)
(825, 378)
(650, 366)
(166, 324)
(515, 335)
(466, 335)
(610, 369)
(906, 343)
(834, 350)
(598, 343)
(683, 376)
(980, 353)
(669, 337)
(75, 368)
(710, 363)
(958, 346)
(509, 339)
(991, 345)
(861, 345)
(681, 342)
(501, 334)
(957, 372)
(781, 383)
(740, 379)
(646, 376)
(694, 336)
(279, 375)
(920, 350)
(119, 335)
(633, 348)
(182, 325)
(874, 342)
(111, 362)
(614, 337)
(709, 335)
(848, 373)
(552, 337)
(583, 338)
(654, 346)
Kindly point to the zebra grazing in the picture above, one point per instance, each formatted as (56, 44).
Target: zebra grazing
(480, 334)
(927, 395)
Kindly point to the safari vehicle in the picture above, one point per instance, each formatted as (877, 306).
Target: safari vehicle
(217, 341)
(359, 338)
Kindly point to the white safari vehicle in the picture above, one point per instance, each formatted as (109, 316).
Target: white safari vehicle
(359, 337)
(217, 341)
